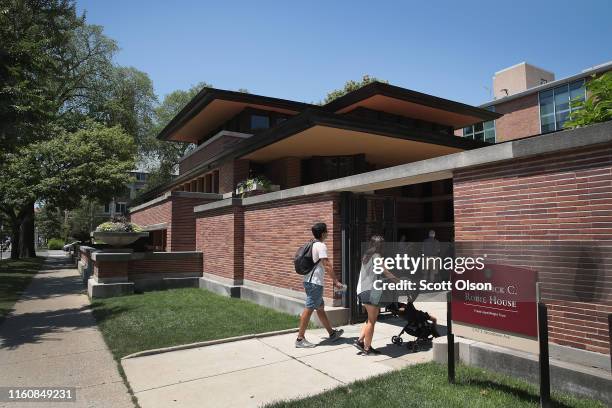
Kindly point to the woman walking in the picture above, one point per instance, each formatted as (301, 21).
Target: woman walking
(369, 297)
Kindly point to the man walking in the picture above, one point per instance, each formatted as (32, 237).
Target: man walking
(313, 285)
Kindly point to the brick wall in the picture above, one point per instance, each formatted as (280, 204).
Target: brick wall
(521, 118)
(231, 173)
(161, 266)
(274, 231)
(558, 209)
(210, 150)
(219, 236)
(286, 172)
(178, 213)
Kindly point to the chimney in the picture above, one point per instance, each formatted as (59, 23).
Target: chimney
(519, 78)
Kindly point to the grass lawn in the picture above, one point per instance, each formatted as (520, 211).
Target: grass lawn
(179, 316)
(15, 275)
(425, 385)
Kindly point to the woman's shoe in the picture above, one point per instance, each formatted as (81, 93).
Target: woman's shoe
(360, 346)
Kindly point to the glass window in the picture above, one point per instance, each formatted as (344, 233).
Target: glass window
(556, 105)
(107, 207)
(120, 208)
(260, 122)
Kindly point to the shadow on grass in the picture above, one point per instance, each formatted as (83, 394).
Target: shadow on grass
(525, 395)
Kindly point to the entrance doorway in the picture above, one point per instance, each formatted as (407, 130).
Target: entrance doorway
(404, 213)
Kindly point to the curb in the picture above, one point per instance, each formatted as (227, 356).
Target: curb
(207, 343)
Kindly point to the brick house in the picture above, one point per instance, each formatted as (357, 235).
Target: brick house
(380, 159)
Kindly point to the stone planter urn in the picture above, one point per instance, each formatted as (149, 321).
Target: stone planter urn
(118, 239)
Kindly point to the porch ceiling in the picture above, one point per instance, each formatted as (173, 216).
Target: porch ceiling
(330, 141)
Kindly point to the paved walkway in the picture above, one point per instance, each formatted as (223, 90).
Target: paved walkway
(51, 339)
(254, 372)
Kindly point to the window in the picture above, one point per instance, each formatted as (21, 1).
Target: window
(483, 131)
(120, 208)
(260, 122)
(556, 105)
(107, 208)
(141, 176)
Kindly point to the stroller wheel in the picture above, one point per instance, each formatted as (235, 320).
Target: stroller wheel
(397, 340)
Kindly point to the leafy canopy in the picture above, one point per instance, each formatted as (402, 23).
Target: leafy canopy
(91, 162)
(351, 86)
(598, 106)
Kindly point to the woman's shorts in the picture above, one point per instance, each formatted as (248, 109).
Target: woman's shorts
(369, 297)
(314, 295)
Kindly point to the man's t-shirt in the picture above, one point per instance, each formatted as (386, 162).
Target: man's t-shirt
(319, 251)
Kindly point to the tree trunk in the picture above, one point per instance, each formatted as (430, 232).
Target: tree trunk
(26, 233)
(15, 240)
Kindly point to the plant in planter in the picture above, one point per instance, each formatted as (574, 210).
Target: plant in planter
(255, 184)
(118, 232)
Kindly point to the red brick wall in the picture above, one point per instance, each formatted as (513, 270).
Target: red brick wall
(178, 213)
(286, 172)
(564, 203)
(521, 118)
(219, 235)
(149, 266)
(275, 230)
(207, 152)
(231, 173)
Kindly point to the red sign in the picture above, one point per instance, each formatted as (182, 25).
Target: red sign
(509, 306)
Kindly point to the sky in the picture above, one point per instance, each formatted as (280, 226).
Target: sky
(302, 50)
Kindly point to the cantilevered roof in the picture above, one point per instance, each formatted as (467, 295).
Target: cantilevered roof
(316, 132)
(405, 102)
(211, 107)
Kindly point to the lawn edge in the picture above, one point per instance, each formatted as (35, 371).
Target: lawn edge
(207, 343)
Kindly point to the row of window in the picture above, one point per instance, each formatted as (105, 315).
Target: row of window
(120, 208)
(556, 104)
(483, 131)
(555, 108)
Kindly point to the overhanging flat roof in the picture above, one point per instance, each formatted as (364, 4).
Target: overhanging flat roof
(320, 133)
(439, 168)
(353, 127)
(211, 107)
(405, 102)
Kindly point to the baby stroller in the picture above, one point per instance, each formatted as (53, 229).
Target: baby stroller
(418, 324)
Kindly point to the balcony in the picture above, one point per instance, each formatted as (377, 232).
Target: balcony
(220, 142)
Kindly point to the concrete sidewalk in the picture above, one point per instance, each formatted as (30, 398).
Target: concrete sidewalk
(253, 372)
(51, 340)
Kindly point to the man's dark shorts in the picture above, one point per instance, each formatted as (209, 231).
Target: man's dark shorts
(314, 295)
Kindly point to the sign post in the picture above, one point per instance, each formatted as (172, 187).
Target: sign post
(544, 358)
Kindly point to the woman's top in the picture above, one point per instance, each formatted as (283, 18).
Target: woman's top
(367, 275)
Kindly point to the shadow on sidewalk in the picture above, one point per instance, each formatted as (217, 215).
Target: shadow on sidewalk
(31, 327)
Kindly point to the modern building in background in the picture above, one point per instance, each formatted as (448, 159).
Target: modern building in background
(120, 204)
(531, 101)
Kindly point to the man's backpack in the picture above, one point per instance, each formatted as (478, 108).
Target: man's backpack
(302, 261)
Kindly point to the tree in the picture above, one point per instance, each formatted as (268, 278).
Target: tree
(597, 107)
(350, 86)
(33, 33)
(164, 155)
(91, 162)
(49, 221)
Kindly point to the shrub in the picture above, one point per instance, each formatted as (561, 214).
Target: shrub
(118, 224)
(55, 243)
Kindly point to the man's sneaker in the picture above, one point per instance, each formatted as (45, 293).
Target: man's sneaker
(304, 344)
(336, 334)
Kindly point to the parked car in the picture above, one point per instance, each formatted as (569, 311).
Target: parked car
(70, 247)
